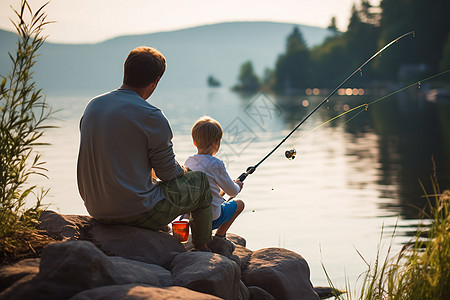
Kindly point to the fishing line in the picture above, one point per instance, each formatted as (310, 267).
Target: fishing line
(252, 169)
(364, 107)
(290, 154)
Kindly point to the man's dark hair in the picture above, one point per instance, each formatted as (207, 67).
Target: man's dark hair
(143, 66)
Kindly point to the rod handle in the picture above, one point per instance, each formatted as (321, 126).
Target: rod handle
(249, 171)
(242, 177)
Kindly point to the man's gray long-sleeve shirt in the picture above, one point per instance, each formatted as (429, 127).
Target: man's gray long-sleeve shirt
(122, 138)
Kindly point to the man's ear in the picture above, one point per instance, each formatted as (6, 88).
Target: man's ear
(154, 83)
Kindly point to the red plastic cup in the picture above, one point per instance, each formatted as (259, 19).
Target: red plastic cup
(180, 230)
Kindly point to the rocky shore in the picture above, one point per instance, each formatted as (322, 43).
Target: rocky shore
(96, 261)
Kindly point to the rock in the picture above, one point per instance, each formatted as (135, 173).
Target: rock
(188, 245)
(238, 240)
(257, 293)
(68, 227)
(244, 293)
(12, 273)
(207, 273)
(19, 289)
(68, 268)
(244, 255)
(149, 246)
(325, 292)
(78, 267)
(282, 273)
(141, 292)
(223, 247)
(164, 276)
(154, 247)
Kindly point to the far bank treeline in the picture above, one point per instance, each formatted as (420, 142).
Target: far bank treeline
(369, 29)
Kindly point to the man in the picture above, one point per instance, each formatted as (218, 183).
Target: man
(124, 138)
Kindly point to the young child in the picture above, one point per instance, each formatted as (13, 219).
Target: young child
(206, 135)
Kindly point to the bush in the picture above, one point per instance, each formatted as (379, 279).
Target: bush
(23, 111)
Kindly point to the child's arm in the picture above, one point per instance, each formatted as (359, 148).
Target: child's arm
(228, 185)
(239, 183)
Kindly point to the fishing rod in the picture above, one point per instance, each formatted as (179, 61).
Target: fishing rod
(252, 169)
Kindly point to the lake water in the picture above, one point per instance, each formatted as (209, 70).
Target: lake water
(347, 182)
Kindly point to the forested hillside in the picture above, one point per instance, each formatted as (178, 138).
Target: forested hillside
(424, 53)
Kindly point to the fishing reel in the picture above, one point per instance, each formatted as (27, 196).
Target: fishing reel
(290, 154)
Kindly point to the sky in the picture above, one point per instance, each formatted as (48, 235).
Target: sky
(91, 21)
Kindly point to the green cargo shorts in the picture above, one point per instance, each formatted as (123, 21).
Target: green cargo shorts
(189, 193)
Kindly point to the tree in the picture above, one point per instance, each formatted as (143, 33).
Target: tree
(369, 14)
(248, 80)
(339, 55)
(23, 111)
(444, 64)
(361, 39)
(332, 27)
(267, 77)
(292, 67)
(428, 18)
(328, 62)
(370, 28)
(295, 41)
(213, 82)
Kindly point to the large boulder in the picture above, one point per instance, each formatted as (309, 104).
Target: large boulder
(238, 240)
(224, 247)
(164, 275)
(244, 293)
(282, 273)
(12, 273)
(67, 227)
(68, 268)
(21, 289)
(141, 292)
(257, 293)
(208, 273)
(149, 246)
(244, 255)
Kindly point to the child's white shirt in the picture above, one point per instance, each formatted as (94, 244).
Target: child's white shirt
(218, 178)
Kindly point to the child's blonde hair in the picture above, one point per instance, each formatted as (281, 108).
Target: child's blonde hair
(205, 132)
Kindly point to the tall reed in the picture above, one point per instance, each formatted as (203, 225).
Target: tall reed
(23, 112)
(421, 270)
